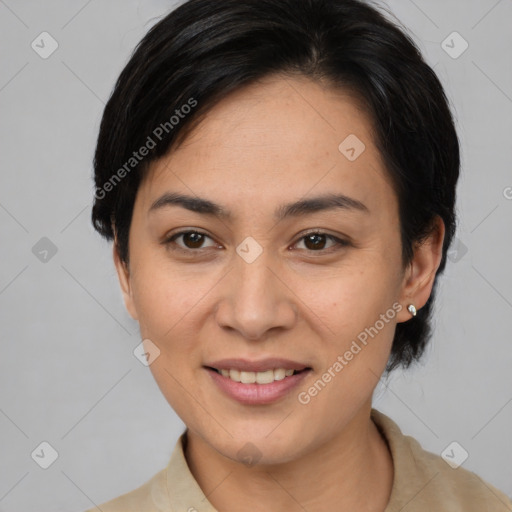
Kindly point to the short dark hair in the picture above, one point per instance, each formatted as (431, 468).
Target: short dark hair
(205, 49)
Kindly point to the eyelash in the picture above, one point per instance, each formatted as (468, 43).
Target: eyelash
(339, 243)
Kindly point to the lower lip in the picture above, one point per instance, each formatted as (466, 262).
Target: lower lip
(255, 394)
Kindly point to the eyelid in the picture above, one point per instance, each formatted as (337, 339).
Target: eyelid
(338, 242)
(168, 239)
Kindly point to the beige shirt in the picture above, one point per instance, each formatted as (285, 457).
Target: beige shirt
(423, 482)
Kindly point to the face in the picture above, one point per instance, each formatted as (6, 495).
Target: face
(259, 244)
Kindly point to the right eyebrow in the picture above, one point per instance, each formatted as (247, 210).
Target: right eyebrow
(194, 204)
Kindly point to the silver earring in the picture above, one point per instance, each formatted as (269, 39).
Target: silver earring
(411, 309)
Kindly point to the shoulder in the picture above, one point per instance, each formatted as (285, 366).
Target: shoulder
(424, 481)
(171, 489)
(149, 497)
(453, 488)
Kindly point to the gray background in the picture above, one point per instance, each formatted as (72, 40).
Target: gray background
(68, 374)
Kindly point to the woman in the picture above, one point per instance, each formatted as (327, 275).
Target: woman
(278, 178)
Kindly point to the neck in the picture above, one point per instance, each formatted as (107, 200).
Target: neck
(353, 470)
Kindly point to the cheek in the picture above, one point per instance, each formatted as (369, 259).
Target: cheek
(354, 299)
(169, 307)
(361, 314)
(165, 298)
(360, 308)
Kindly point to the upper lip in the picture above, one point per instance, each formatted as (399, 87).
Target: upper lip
(256, 366)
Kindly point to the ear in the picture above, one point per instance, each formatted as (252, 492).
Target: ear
(123, 274)
(421, 272)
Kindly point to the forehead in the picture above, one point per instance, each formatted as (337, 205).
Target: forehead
(279, 136)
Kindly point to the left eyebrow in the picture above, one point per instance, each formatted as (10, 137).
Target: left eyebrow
(296, 209)
(316, 204)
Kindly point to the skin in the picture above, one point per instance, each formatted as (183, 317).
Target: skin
(278, 140)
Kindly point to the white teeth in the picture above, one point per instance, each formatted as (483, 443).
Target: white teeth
(266, 377)
(247, 377)
(279, 374)
(234, 375)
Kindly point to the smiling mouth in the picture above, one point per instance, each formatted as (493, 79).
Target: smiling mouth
(264, 377)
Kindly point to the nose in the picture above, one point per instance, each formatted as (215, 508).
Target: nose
(256, 299)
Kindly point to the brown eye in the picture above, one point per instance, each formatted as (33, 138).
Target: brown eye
(315, 241)
(190, 240)
(193, 240)
(321, 242)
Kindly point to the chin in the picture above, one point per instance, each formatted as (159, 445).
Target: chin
(256, 447)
